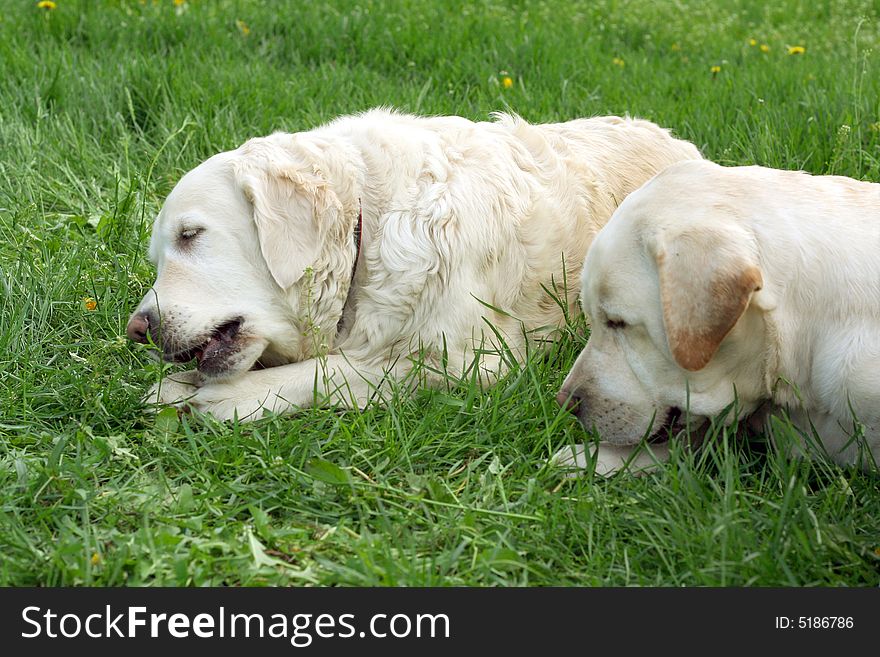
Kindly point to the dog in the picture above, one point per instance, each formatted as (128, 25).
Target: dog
(745, 290)
(317, 267)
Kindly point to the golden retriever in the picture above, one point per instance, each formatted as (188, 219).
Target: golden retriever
(743, 287)
(315, 267)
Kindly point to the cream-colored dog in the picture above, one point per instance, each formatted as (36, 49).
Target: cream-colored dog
(713, 287)
(330, 258)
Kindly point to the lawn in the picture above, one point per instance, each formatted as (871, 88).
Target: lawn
(104, 105)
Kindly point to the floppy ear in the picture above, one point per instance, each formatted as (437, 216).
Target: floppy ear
(293, 208)
(707, 278)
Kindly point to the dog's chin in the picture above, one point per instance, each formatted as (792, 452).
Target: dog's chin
(672, 424)
(232, 360)
(222, 366)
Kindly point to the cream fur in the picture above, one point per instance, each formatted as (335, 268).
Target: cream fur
(776, 271)
(464, 225)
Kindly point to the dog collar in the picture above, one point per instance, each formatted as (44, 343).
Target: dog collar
(358, 231)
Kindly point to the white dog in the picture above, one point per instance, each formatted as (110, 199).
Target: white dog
(331, 258)
(712, 286)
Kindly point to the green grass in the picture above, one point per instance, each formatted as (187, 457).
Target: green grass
(103, 105)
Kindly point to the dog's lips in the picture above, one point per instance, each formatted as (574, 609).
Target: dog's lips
(673, 415)
(217, 346)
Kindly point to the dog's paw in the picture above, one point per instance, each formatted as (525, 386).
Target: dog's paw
(574, 459)
(174, 389)
(577, 460)
(228, 400)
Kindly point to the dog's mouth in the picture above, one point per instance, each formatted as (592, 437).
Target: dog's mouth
(670, 424)
(211, 353)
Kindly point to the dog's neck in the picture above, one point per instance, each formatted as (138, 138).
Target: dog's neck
(806, 277)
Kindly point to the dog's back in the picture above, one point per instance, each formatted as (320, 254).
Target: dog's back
(592, 164)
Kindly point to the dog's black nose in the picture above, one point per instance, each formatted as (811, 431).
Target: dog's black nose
(570, 400)
(140, 326)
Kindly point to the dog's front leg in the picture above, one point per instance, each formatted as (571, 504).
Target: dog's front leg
(329, 381)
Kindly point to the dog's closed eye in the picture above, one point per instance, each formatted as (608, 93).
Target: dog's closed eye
(615, 323)
(188, 234)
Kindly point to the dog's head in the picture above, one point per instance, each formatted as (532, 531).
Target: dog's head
(254, 252)
(672, 289)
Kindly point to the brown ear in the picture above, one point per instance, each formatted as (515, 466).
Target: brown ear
(707, 278)
(292, 208)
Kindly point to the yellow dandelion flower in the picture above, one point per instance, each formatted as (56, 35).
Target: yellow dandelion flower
(242, 27)
(90, 303)
(765, 47)
(96, 558)
(753, 42)
(507, 82)
(715, 70)
(177, 3)
(46, 4)
(617, 61)
(675, 47)
(796, 50)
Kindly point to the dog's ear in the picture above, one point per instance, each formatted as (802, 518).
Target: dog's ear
(707, 278)
(293, 208)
